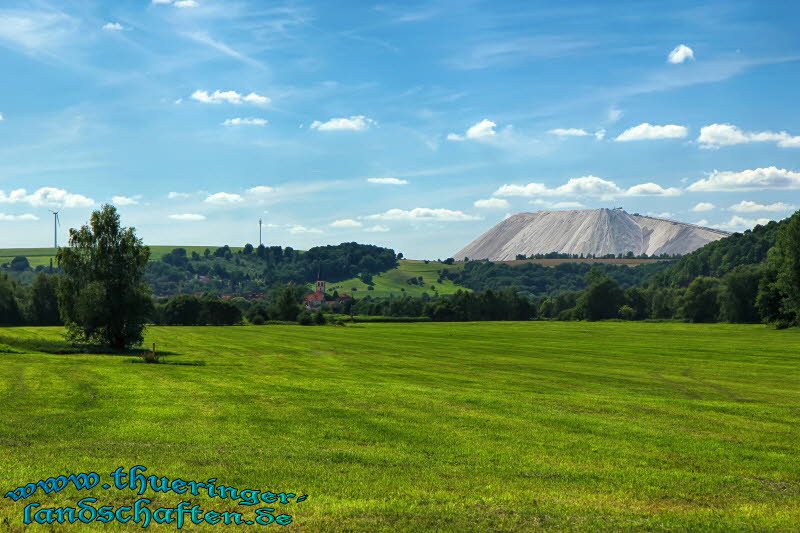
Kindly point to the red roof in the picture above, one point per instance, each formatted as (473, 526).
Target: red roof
(316, 297)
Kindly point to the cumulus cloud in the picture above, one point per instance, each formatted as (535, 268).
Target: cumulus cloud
(586, 186)
(46, 197)
(746, 206)
(569, 132)
(223, 198)
(481, 130)
(113, 26)
(377, 229)
(492, 203)
(600, 134)
(647, 132)
(423, 214)
(177, 195)
(680, 54)
(230, 97)
(245, 122)
(124, 200)
(346, 223)
(701, 222)
(1, 116)
(191, 217)
(353, 123)
(652, 189)
(388, 181)
(740, 223)
(703, 206)
(17, 218)
(717, 135)
(557, 205)
(296, 229)
(748, 180)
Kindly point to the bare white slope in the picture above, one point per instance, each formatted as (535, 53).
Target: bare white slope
(596, 231)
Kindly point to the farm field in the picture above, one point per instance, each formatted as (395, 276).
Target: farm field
(42, 256)
(537, 426)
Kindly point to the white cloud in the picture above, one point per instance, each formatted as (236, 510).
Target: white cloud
(185, 3)
(652, 189)
(1, 116)
(17, 218)
(569, 132)
(646, 132)
(746, 206)
(680, 54)
(717, 135)
(177, 195)
(701, 222)
(124, 200)
(302, 229)
(231, 97)
(614, 114)
(739, 223)
(600, 134)
(663, 214)
(224, 198)
(748, 180)
(377, 229)
(46, 197)
(586, 186)
(245, 122)
(113, 26)
(353, 123)
(422, 214)
(187, 217)
(480, 130)
(703, 206)
(346, 223)
(557, 205)
(260, 189)
(388, 181)
(492, 203)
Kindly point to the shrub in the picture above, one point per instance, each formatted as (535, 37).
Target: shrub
(626, 312)
(305, 319)
(319, 318)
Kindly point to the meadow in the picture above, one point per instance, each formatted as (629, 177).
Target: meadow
(42, 256)
(537, 426)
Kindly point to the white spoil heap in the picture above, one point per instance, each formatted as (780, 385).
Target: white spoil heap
(595, 231)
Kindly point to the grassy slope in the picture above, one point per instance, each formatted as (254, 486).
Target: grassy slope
(42, 256)
(414, 427)
(391, 282)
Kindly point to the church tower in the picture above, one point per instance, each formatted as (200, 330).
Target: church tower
(320, 286)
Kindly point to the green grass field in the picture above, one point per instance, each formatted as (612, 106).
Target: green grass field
(42, 256)
(391, 282)
(540, 426)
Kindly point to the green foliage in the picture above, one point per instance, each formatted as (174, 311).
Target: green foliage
(102, 294)
(700, 303)
(44, 301)
(601, 299)
(738, 293)
(626, 312)
(305, 319)
(10, 313)
(187, 310)
(19, 263)
(319, 318)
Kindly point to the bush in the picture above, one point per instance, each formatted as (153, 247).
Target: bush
(305, 319)
(319, 318)
(258, 320)
(626, 312)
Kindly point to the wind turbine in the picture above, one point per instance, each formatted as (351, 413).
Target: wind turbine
(56, 222)
(260, 242)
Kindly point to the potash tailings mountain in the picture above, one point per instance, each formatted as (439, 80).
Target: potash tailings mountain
(596, 231)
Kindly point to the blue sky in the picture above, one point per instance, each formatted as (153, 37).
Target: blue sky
(414, 125)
